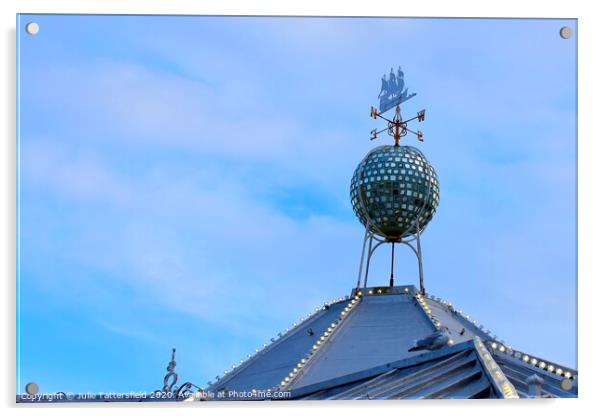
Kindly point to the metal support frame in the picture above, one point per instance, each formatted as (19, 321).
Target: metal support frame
(370, 238)
(370, 253)
(359, 274)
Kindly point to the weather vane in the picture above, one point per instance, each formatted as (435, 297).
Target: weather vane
(392, 94)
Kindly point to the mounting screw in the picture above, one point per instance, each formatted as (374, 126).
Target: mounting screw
(32, 28)
(566, 32)
(31, 388)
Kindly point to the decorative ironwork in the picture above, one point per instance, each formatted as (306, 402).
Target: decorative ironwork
(170, 390)
(171, 378)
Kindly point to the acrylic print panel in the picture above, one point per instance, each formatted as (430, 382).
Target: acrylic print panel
(199, 192)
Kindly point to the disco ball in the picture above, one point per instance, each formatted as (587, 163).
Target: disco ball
(391, 188)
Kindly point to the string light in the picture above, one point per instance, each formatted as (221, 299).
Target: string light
(321, 341)
(530, 360)
(294, 325)
(508, 391)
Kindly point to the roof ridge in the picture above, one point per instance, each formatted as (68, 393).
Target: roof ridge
(504, 388)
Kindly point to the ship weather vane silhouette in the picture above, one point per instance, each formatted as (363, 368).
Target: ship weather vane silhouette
(392, 94)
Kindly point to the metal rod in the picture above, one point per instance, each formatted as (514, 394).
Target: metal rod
(392, 279)
(420, 272)
(410, 119)
(397, 120)
(370, 253)
(368, 261)
(359, 274)
(384, 118)
(407, 243)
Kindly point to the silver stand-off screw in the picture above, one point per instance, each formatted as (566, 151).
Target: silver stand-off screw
(32, 28)
(566, 32)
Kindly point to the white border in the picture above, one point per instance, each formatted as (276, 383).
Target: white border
(589, 183)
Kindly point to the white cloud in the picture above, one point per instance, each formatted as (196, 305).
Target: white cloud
(184, 246)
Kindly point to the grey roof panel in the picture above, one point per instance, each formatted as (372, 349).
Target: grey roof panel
(267, 368)
(454, 372)
(379, 330)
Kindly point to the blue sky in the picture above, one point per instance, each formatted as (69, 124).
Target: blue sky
(184, 183)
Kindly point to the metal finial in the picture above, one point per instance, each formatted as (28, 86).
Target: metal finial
(171, 378)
